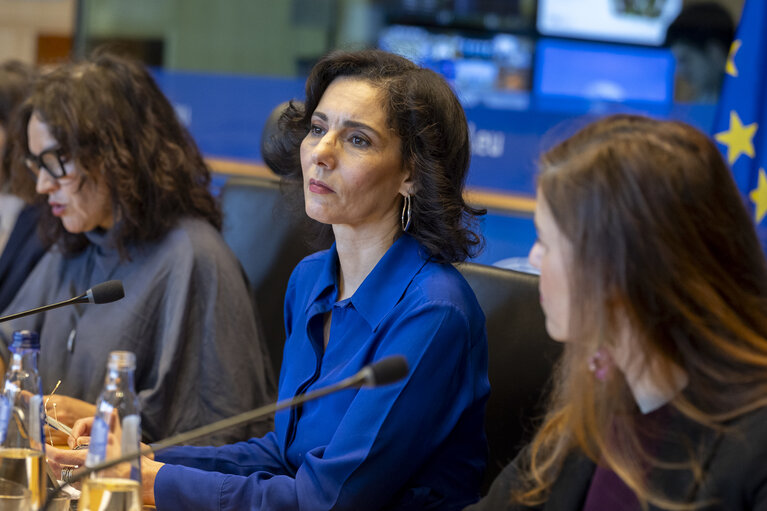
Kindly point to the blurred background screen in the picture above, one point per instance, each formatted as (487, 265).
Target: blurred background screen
(577, 70)
(484, 67)
(627, 21)
(523, 69)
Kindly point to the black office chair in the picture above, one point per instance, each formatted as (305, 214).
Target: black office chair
(269, 240)
(268, 234)
(521, 358)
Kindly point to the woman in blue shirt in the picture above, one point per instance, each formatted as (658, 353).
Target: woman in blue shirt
(384, 151)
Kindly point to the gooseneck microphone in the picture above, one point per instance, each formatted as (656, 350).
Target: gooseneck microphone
(109, 291)
(385, 371)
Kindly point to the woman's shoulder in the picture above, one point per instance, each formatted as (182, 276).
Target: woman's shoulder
(442, 282)
(193, 232)
(310, 266)
(747, 433)
(193, 246)
(313, 259)
(192, 239)
(737, 468)
(55, 269)
(44, 280)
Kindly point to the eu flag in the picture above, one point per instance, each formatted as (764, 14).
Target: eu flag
(741, 122)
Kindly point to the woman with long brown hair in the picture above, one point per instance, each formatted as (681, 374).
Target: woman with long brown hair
(652, 273)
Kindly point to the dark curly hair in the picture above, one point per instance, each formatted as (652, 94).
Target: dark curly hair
(16, 79)
(428, 118)
(112, 120)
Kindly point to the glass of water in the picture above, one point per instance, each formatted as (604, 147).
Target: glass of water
(14, 496)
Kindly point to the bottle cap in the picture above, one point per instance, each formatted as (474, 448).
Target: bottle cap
(25, 339)
(122, 360)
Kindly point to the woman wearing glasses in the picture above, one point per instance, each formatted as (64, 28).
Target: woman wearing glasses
(128, 199)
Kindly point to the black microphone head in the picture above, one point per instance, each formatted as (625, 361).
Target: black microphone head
(109, 291)
(387, 370)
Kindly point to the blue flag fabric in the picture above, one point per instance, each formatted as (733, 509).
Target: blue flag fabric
(740, 127)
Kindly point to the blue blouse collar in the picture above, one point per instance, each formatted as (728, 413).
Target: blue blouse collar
(383, 287)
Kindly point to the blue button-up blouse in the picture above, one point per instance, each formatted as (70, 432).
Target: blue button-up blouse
(415, 444)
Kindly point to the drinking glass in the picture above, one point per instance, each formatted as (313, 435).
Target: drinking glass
(14, 497)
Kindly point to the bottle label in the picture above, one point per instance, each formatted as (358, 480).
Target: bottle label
(35, 423)
(131, 431)
(5, 416)
(97, 450)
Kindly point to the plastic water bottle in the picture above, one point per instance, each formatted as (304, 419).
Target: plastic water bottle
(117, 412)
(22, 455)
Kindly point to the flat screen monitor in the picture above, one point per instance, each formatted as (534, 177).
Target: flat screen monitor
(497, 15)
(578, 70)
(482, 68)
(626, 21)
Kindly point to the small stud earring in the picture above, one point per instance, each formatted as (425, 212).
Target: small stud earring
(601, 364)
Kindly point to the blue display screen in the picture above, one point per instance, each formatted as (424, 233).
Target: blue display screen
(594, 71)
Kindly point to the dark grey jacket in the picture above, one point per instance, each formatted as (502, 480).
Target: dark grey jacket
(735, 465)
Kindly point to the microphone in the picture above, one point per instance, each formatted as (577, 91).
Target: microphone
(385, 371)
(106, 292)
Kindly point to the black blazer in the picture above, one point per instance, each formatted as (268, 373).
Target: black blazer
(734, 462)
(22, 252)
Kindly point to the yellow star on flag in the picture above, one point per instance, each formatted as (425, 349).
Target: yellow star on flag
(730, 66)
(738, 139)
(759, 196)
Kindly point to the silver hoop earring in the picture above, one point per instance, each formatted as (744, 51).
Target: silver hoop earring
(405, 220)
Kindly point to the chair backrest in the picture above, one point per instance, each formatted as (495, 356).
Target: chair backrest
(521, 358)
(269, 240)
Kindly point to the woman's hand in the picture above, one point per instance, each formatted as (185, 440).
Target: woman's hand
(60, 458)
(81, 433)
(81, 436)
(66, 410)
(149, 469)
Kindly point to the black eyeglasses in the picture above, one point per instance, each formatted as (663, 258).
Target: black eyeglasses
(52, 160)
